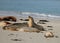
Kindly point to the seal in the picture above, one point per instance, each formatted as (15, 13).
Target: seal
(9, 18)
(31, 23)
(15, 26)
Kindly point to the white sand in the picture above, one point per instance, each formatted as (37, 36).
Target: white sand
(33, 37)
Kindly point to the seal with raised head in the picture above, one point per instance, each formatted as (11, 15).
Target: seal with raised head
(31, 23)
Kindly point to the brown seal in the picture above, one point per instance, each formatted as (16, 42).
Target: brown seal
(49, 34)
(9, 18)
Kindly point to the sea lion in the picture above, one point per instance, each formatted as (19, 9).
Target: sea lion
(15, 26)
(30, 24)
(9, 18)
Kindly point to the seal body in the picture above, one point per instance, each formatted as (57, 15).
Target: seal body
(15, 26)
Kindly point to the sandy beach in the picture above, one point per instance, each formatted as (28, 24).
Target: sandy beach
(7, 36)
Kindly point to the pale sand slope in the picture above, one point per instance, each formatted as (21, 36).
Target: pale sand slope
(33, 37)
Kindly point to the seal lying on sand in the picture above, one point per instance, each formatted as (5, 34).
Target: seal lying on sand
(9, 18)
(19, 26)
(15, 26)
(31, 23)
